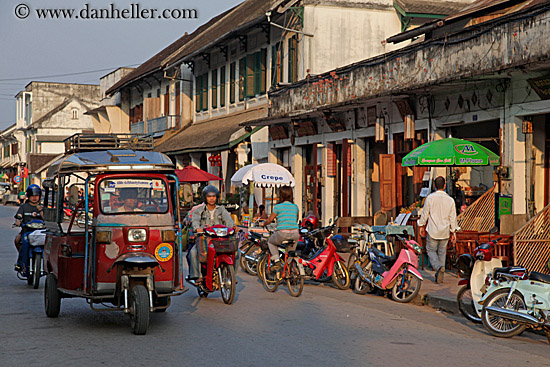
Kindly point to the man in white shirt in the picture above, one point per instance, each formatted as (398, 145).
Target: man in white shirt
(439, 214)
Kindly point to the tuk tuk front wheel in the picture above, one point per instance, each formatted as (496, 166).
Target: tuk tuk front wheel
(52, 297)
(140, 310)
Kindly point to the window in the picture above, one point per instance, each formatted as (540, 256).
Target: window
(253, 80)
(214, 88)
(222, 86)
(242, 78)
(292, 60)
(276, 64)
(75, 113)
(129, 195)
(204, 93)
(232, 81)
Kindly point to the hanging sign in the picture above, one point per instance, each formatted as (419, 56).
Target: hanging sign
(17, 179)
(25, 172)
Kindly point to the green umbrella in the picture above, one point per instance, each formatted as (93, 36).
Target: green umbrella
(451, 152)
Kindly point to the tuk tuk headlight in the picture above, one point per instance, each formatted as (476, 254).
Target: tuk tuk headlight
(137, 235)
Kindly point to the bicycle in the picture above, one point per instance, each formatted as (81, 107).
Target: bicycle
(292, 271)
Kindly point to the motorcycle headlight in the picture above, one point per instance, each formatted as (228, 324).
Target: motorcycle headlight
(137, 235)
(220, 232)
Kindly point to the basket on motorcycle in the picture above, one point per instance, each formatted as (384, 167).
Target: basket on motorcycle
(37, 238)
(224, 246)
(464, 265)
(341, 244)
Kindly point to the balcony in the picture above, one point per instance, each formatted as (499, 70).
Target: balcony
(153, 126)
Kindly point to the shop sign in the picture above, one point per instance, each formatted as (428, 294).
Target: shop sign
(504, 205)
(541, 86)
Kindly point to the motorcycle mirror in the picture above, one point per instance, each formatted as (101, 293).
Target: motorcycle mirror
(330, 221)
(493, 230)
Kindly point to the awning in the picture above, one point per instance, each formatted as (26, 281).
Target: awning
(214, 134)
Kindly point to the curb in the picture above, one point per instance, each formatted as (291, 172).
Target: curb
(440, 303)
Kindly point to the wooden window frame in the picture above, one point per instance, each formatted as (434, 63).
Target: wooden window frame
(232, 81)
(222, 86)
(214, 90)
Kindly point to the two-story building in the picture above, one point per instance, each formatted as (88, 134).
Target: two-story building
(46, 114)
(479, 74)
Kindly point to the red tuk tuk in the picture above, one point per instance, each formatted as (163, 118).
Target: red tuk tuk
(121, 245)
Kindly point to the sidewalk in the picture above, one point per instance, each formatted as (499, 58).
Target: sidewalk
(439, 296)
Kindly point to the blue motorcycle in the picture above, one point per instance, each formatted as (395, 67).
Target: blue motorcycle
(31, 254)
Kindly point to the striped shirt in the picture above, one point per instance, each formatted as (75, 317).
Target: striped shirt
(287, 215)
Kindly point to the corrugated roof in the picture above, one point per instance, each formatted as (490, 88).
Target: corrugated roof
(210, 134)
(432, 6)
(158, 61)
(240, 16)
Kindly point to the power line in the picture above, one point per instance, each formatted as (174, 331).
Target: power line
(67, 74)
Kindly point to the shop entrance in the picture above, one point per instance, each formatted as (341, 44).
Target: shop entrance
(339, 167)
(312, 182)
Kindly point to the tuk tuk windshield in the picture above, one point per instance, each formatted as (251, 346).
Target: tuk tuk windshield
(133, 195)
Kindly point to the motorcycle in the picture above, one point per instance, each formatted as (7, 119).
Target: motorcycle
(326, 259)
(473, 270)
(218, 272)
(254, 245)
(515, 300)
(32, 252)
(399, 275)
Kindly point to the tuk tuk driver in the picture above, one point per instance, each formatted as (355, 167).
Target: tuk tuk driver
(208, 215)
(129, 200)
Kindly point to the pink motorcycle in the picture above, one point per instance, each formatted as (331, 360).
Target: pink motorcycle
(398, 274)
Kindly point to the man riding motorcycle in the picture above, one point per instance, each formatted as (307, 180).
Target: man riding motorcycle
(208, 215)
(28, 211)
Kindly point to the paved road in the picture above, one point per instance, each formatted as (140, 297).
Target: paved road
(324, 327)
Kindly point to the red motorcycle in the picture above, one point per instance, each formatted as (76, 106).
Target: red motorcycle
(326, 258)
(218, 272)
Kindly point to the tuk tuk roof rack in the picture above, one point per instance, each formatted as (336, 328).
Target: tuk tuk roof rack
(93, 142)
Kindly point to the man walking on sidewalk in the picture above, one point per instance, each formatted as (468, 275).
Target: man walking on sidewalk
(439, 214)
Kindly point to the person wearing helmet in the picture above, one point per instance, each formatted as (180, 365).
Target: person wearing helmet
(208, 215)
(27, 211)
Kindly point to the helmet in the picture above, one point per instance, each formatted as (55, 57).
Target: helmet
(210, 189)
(311, 222)
(33, 190)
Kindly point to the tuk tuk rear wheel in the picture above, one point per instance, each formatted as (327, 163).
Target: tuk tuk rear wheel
(140, 310)
(228, 283)
(52, 297)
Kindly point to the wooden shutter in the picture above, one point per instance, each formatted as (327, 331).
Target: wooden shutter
(332, 164)
(399, 184)
(178, 108)
(262, 74)
(222, 86)
(242, 78)
(198, 88)
(204, 94)
(232, 81)
(387, 182)
(251, 66)
(214, 94)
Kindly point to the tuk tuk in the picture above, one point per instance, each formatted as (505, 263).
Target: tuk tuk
(113, 227)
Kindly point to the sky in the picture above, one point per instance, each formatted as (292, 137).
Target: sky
(81, 50)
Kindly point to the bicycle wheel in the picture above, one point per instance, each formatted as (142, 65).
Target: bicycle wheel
(294, 280)
(362, 286)
(466, 304)
(269, 276)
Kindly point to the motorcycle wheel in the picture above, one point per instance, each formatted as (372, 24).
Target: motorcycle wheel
(37, 269)
(409, 290)
(499, 326)
(340, 275)
(294, 280)
(52, 297)
(269, 277)
(361, 286)
(140, 310)
(466, 304)
(251, 267)
(30, 277)
(351, 270)
(244, 249)
(228, 283)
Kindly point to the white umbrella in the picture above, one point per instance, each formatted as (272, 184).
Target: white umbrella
(263, 175)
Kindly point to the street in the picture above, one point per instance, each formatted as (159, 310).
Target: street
(323, 327)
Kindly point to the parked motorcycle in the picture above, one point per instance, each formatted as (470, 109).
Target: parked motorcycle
(398, 275)
(251, 251)
(473, 270)
(516, 300)
(32, 252)
(326, 259)
(218, 272)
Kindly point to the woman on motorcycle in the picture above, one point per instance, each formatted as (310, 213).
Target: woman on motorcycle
(27, 211)
(286, 213)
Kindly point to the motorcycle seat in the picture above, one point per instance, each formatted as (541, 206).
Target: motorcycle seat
(287, 243)
(539, 277)
(507, 270)
(381, 255)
